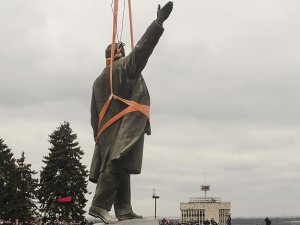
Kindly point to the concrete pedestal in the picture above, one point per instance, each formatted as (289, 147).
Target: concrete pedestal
(134, 222)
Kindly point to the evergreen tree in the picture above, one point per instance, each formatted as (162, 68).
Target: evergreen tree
(26, 191)
(8, 183)
(63, 175)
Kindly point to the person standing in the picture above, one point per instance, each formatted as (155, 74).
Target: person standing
(228, 221)
(206, 222)
(268, 221)
(213, 222)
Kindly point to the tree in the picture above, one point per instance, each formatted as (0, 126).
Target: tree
(8, 183)
(26, 191)
(63, 175)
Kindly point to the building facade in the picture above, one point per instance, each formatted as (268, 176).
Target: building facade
(198, 210)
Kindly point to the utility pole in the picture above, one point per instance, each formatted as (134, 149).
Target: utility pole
(155, 196)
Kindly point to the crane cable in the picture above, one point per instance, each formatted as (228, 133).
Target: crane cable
(132, 105)
(131, 27)
(115, 19)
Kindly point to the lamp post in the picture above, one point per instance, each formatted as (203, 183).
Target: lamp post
(155, 196)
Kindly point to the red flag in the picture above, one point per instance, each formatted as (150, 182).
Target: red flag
(65, 199)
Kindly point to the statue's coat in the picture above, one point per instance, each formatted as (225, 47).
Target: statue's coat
(123, 141)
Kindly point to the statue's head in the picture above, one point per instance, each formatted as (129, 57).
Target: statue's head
(119, 51)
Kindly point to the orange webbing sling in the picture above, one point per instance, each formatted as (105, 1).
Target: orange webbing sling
(132, 105)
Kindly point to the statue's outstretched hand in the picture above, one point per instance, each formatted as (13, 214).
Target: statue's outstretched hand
(164, 12)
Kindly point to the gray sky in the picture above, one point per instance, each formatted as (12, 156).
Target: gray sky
(224, 85)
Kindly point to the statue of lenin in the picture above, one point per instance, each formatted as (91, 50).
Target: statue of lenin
(119, 149)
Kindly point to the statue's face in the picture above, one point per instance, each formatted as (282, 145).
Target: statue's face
(119, 51)
(123, 52)
(121, 48)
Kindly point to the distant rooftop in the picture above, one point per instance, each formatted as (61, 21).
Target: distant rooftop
(206, 199)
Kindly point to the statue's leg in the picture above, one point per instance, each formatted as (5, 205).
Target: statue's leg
(122, 203)
(107, 186)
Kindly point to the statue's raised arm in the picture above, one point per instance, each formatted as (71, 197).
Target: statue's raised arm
(136, 61)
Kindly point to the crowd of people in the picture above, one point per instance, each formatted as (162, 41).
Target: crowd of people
(55, 222)
(169, 222)
(85, 222)
(205, 222)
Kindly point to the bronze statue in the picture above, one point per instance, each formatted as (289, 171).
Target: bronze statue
(119, 147)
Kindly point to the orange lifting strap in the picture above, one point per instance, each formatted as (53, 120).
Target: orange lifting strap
(132, 105)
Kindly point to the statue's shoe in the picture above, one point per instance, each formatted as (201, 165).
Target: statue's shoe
(100, 213)
(129, 216)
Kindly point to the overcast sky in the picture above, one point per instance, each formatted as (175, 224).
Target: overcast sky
(224, 86)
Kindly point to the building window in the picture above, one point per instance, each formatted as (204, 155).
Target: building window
(223, 214)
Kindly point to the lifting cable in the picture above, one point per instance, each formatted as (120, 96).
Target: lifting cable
(132, 105)
(115, 19)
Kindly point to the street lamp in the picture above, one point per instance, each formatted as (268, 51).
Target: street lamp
(155, 196)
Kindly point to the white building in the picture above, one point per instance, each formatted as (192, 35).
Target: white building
(200, 209)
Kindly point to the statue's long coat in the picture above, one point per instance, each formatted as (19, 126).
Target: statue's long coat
(123, 141)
